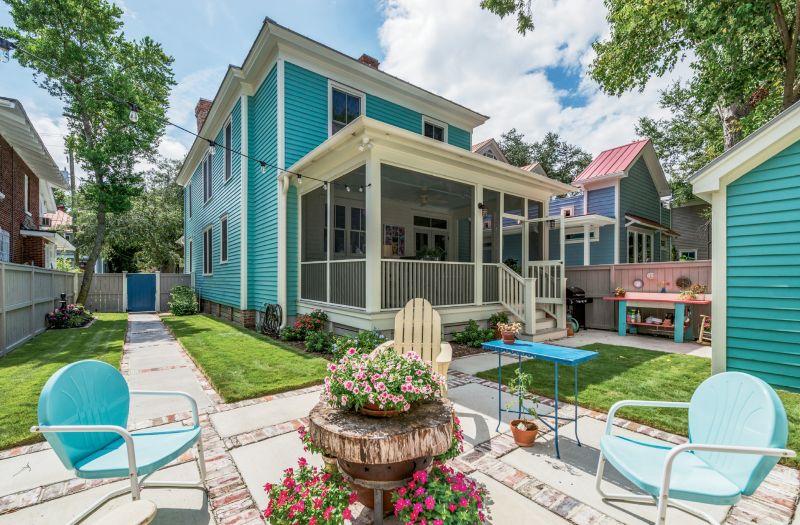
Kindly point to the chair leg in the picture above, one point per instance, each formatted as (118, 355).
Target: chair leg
(661, 510)
(135, 493)
(201, 461)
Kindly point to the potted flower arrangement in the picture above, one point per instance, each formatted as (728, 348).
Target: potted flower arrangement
(523, 430)
(494, 320)
(619, 291)
(382, 383)
(696, 292)
(509, 331)
(309, 495)
(441, 496)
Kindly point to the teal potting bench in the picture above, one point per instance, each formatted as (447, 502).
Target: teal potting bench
(669, 301)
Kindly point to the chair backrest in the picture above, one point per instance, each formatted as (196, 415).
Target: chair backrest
(418, 328)
(741, 410)
(83, 393)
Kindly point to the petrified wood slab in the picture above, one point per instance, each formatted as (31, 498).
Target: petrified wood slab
(426, 430)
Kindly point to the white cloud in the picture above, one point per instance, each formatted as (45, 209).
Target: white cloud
(471, 56)
(182, 101)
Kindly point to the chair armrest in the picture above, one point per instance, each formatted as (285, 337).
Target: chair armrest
(446, 354)
(639, 403)
(172, 393)
(97, 428)
(703, 447)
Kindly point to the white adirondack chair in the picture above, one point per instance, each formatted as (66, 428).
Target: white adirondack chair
(418, 328)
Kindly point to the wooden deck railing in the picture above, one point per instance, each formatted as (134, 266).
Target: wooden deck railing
(549, 277)
(347, 280)
(442, 283)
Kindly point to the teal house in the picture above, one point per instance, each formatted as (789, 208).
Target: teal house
(754, 191)
(617, 214)
(319, 181)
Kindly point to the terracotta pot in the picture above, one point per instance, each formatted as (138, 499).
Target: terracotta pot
(570, 331)
(524, 438)
(389, 472)
(373, 410)
(509, 337)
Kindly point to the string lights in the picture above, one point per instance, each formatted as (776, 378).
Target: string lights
(135, 110)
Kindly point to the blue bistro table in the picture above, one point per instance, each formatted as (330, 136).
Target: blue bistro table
(558, 355)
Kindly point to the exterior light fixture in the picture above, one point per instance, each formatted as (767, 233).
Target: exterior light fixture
(212, 147)
(263, 166)
(325, 186)
(134, 114)
(299, 179)
(347, 188)
(361, 189)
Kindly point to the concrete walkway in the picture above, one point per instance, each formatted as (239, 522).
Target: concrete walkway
(251, 442)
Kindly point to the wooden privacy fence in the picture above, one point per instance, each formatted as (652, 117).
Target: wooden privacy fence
(600, 280)
(27, 293)
(109, 291)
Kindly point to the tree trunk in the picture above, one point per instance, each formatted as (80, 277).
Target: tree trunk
(88, 274)
(730, 116)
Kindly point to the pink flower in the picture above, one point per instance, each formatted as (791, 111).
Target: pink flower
(420, 476)
(452, 507)
(351, 351)
(463, 502)
(430, 502)
(302, 462)
(328, 512)
(348, 385)
(346, 514)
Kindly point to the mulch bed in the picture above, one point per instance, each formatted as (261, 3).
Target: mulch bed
(465, 351)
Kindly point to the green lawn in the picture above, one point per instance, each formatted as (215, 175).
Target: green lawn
(622, 372)
(25, 370)
(242, 364)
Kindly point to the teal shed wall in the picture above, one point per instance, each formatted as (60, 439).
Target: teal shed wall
(262, 200)
(222, 286)
(763, 271)
(638, 195)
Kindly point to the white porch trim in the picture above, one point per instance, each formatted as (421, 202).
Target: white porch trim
(282, 191)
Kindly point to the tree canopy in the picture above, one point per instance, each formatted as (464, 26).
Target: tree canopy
(79, 54)
(561, 160)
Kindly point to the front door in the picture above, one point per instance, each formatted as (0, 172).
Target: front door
(141, 292)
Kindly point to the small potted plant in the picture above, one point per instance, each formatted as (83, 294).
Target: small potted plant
(619, 291)
(309, 495)
(494, 320)
(382, 383)
(523, 430)
(441, 493)
(509, 332)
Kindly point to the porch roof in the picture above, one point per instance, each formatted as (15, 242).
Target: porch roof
(591, 219)
(641, 221)
(364, 131)
(49, 236)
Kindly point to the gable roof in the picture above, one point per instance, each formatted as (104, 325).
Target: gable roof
(490, 145)
(761, 145)
(613, 161)
(536, 167)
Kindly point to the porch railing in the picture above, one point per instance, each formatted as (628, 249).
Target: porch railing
(549, 277)
(347, 281)
(442, 283)
(518, 295)
(491, 280)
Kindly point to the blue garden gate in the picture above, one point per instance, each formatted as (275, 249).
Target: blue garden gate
(141, 292)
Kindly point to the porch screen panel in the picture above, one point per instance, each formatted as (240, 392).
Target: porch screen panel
(313, 273)
(491, 244)
(535, 232)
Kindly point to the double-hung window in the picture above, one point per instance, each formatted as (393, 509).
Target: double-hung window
(640, 246)
(207, 179)
(189, 198)
(27, 197)
(358, 231)
(227, 140)
(207, 248)
(434, 129)
(5, 246)
(223, 236)
(345, 107)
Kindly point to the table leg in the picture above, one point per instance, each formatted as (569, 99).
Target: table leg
(679, 318)
(519, 398)
(622, 324)
(576, 406)
(555, 397)
(377, 501)
(499, 391)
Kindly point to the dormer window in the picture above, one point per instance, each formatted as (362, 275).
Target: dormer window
(434, 129)
(345, 108)
(568, 211)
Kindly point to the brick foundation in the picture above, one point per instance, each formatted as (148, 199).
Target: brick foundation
(246, 318)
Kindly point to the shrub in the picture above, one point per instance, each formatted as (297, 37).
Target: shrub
(473, 335)
(499, 317)
(319, 342)
(182, 301)
(313, 322)
(441, 496)
(291, 334)
(73, 316)
(364, 342)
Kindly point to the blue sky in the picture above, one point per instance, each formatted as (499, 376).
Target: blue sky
(535, 83)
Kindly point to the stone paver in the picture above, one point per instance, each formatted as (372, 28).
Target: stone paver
(509, 506)
(245, 419)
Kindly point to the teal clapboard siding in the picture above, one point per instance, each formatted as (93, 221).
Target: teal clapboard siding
(262, 196)
(763, 273)
(393, 114)
(638, 195)
(222, 286)
(306, 111)
(458, 137)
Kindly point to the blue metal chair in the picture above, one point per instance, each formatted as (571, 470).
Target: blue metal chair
(83, 413)
(737, 433)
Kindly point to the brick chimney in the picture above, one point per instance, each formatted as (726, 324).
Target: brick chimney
(201, 112)
(61, 207)
(370, 61)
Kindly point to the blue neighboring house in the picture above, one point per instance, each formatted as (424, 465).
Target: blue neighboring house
(320, 181)
(617, 215)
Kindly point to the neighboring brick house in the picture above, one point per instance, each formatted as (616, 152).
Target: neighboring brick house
(27, 177)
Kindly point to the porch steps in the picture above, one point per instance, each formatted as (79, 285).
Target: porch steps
(549, 334)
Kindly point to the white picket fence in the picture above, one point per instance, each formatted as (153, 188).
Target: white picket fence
(27, 293)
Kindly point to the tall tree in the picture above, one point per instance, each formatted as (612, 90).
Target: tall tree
(559, 159)
(80, 55)
(516, 150)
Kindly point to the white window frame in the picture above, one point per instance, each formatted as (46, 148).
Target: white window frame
(27, 198)
(646, 233)
(208, 250)
(332, 84)
(208, 179)
(594, 236)
(682, 252)
(434, 122)
(570, 209)
(223, 240)
(189, 197)
(227, 142)
(5, 246)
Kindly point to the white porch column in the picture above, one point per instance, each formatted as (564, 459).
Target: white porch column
(477, 244)
(374, 236)
(586, 246)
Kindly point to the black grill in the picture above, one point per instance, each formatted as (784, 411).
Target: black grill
(576, 304)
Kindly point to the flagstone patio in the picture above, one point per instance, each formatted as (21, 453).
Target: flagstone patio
(251, 442)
